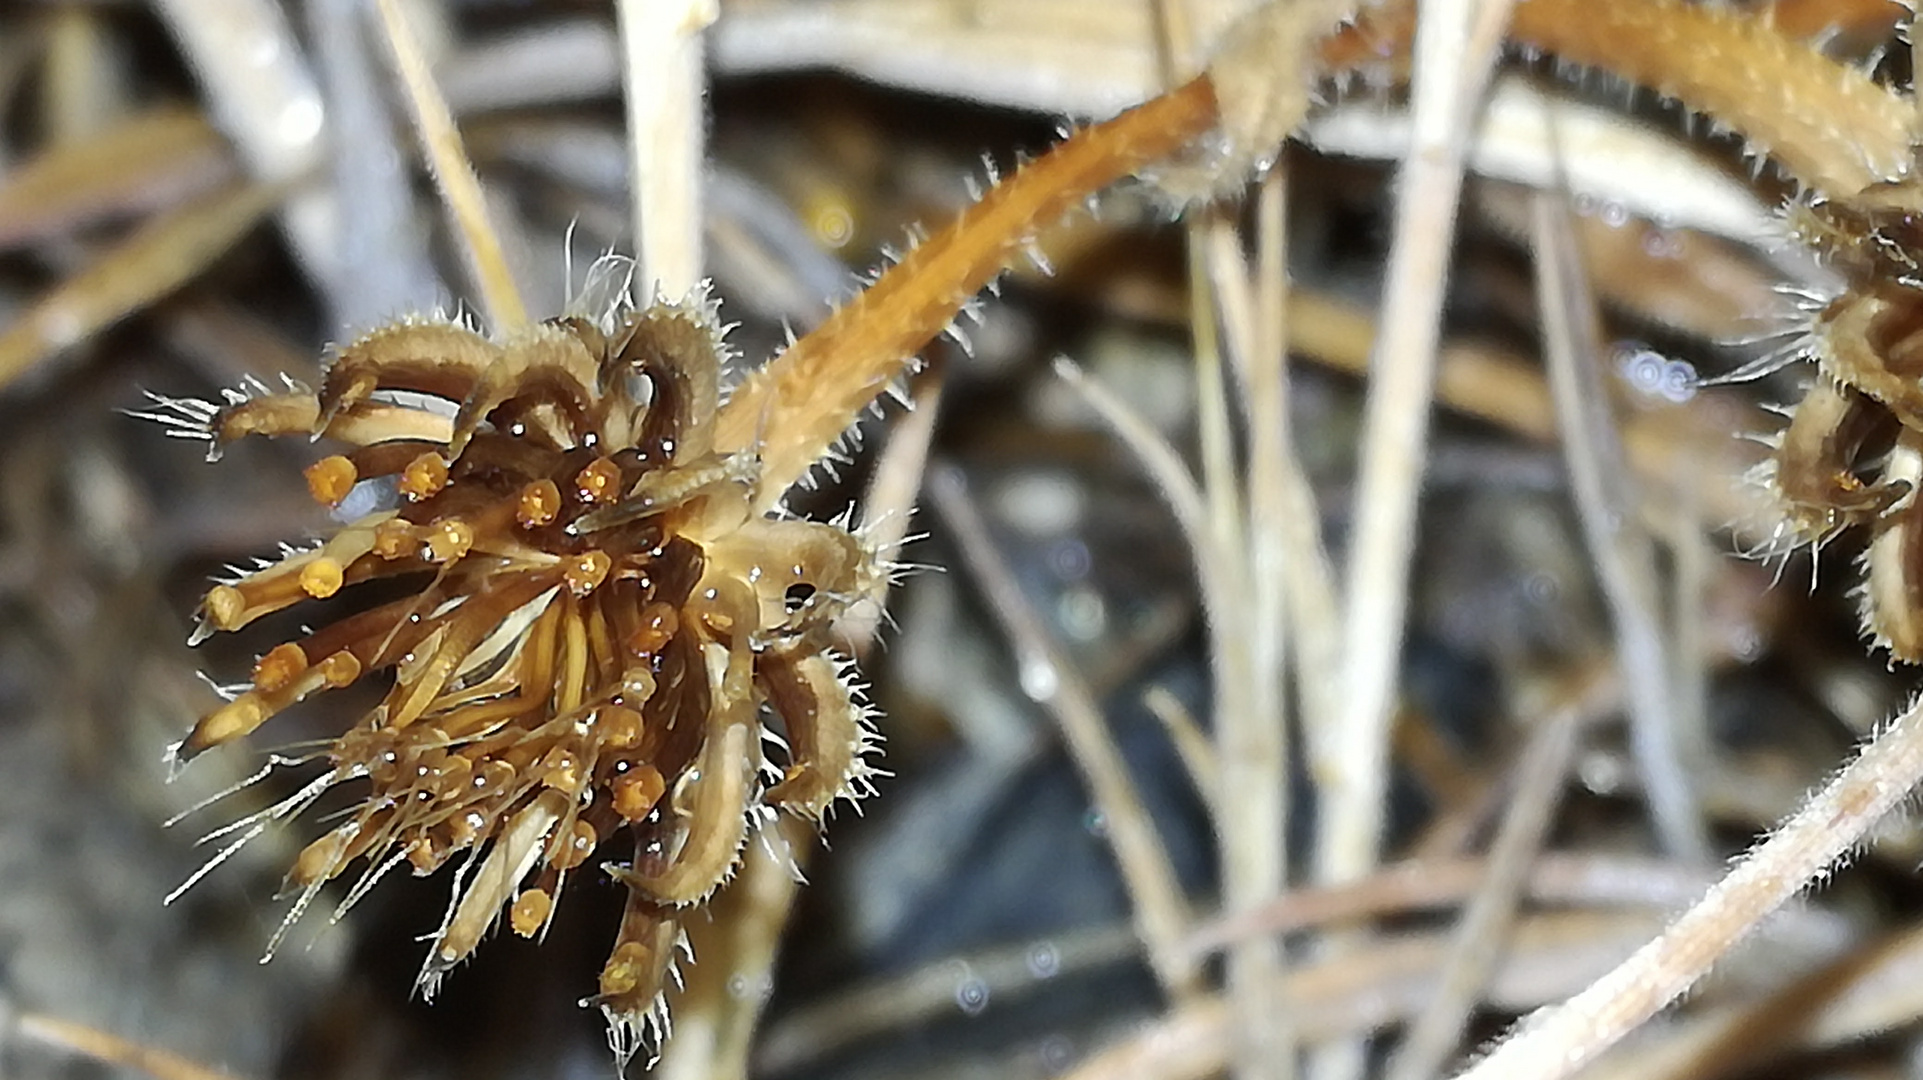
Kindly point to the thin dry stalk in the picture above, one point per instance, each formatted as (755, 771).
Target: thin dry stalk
(1166, 469)
(1251, 722)
(1271, 462)
(264, 98)
(667, 131)
(1624, 554)
(1456, 41)
(1250, 752)
(112, 1049)
(1870, 991)
(1377, 984)
(1559, 1041)
(1159, 910)
(1483, 930)
(1191, 743)
(823, 1026)
(1220, 492)
(160, 256)
(716, 1012)
(385, 266)
(1584, 880)
(1288, 522)
(1694, 562)
(453, 175)
(80, 99)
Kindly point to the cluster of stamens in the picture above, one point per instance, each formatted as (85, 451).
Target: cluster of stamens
(1852, 453)
(587, 624)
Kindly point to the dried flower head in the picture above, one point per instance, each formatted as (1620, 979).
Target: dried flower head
(603, 604)
(595, 626)
(1851, 454)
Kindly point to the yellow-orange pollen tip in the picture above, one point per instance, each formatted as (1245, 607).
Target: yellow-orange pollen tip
(340, 669)
(623, 971)
(322, 577)
(394, 539)
(424, 477)
(587, 571)
(448, 540)
(224, 607)
(637, 790)
(530, 912)
(599, 482)
(540, 504)
(330, 479)
(282, 665)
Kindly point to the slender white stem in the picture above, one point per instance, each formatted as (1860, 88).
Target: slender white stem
(1456, 41)
(1556, 1042)
(454, 174)
(667, 132)
(1606, 506)
(1159, 909)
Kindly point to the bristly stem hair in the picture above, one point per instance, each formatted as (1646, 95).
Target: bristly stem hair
(796, 407)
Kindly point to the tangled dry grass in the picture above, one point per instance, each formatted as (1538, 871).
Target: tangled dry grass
(1371, 627)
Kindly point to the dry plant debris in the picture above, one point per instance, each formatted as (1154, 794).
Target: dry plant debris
(569, 579)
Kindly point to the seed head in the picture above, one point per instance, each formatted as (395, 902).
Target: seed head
(592, 618)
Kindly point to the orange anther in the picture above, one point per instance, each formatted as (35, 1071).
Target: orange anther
(599, 482)
(224, 607)
(624, 970)
(394, 539)
(318, 860)
(330, 479)
(637, 790)
(229, 722)
(448, 540)
(426, 855)
(464, 829)
(561, 768)
(586, 572)
(322, 577)
(659, 622)
(530, 912)
(540, 503)
(282, 664)
(424, 477)
(574, 851)
(619, 725)
(340, 669)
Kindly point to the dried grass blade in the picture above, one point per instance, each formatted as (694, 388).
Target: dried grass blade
(1160, 912)
(112, 1049)
(1455, 45)
(1482, 932)
(147, 161)
(1557, 1042)
(665, 80)
(1608, 510)
(158, 258)
(1379, 983)
(453, 174)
